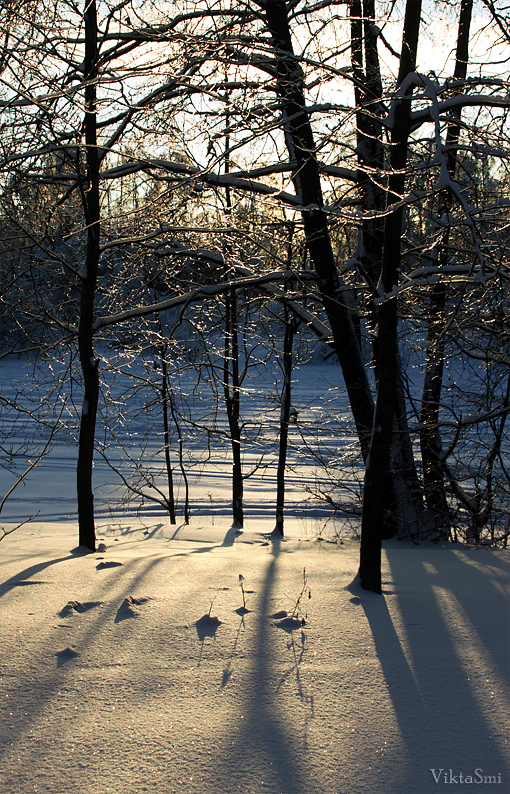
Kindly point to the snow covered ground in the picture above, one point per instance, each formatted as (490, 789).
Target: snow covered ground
(324, 433)
(136, 669)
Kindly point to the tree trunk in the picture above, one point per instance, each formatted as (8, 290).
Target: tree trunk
(181, 461)
(370, 153)
(307, 184)
(166, 434)
(89, 363)
(430, 436)
(410, 505)
(232, 399)
(376, 473)
(369, 145)
(231, 365)
(284, 419)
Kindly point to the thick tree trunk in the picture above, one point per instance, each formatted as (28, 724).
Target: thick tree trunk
(430, 436)
(369, 145)
(306, 179)
(375, 501)
(88, 361)
(370, 153)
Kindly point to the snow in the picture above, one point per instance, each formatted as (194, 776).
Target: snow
(209, 177)
(51, 487)
(191, 297)
(142, 668)
(137, 669)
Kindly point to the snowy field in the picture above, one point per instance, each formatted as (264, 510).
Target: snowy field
(324, 433)
(136, 669)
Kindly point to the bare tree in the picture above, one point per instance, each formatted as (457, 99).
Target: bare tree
(358, 173)
(430, 440)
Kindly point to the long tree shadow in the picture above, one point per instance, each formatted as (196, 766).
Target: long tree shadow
(485, 572)
(262, 734)
(231, 536)
(23, 578)
(37, 692)
(441, 720)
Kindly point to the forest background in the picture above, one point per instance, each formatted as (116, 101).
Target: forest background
(208, 187)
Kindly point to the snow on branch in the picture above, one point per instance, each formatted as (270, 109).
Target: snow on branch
(431, 274)
(222, 180)
(349, 174)
(434, 113)
(423, 116)
(320, 329)
(437, 109)
(402, 92)
(445, 180)
(201, 293)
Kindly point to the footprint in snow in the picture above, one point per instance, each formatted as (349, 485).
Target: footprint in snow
(128, 608)
(288, 622)
(75, 606)
(109, 564)
(65, 656)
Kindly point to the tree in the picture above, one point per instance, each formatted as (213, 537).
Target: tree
(306, 179)
(374, 496)
(287, 416)
(430, 441)
(83, 145)
(368, 177)
(89, 188)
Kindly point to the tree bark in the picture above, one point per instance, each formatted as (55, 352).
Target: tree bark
(181, 460)
(371, 157)
(231, 388)
(378, 464)
(430, 436)
(89, 363)
(166, 432)
(369, 144)
(307, 184)
(284, 419)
